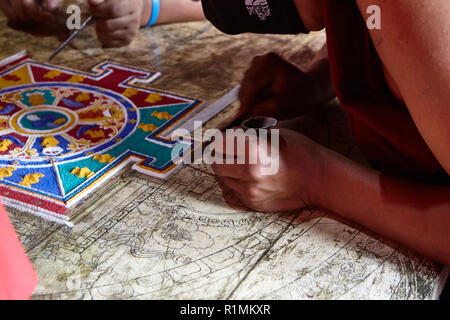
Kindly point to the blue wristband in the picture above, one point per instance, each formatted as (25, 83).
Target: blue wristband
(155, 13)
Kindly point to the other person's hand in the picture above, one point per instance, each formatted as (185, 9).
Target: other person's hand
(276, 88)
(117, 21)
(295, 184)
(28, 11)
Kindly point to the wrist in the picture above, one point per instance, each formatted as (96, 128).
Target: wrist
(319, 191)
(334, 173)
(146, 12)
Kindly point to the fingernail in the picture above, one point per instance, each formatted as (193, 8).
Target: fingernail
(96, 2)
(50, 5)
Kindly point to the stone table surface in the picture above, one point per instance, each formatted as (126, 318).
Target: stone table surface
(143, 238)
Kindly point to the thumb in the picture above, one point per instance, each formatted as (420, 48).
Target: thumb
(96, 2)
(51, 5)
(268, 108)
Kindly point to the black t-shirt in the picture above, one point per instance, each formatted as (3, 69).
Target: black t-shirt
(257, 16)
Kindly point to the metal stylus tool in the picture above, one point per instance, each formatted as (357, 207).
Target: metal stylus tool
(73, 36)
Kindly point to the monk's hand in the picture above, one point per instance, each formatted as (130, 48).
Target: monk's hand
(20, 12)
(274, 87)
(282, 178)
(117, 21)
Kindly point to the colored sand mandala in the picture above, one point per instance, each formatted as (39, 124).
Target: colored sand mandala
(63, 132)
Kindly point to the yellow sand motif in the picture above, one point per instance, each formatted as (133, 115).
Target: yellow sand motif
(52, 74)
(76, 78)
(22, 75)
(18, 97)
(148, 127)
(130, 92)
(82, 97)
(4, 124)
(82, 173)
(36, 100)
(153, 98)
(8, 97)
(132, 121)
(116, 114)
(31, 152)
(103, 158)
(49, 141)
(4, 144)
(30, 179)
(95, 133)
(6, 172)
(162, 115)
(60, 121)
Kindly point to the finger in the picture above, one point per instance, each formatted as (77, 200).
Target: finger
(247, 190)
(107, 37)
(34, 11)
(258, 79)
(263, 63)
(6, 7)
(96, 2)
(268, 108)
(255, 199)
(51, 5)
(231, 199)
(233, 184)
(115, 34)
(233, 171)
(254, 89)
(110, 8)
(112, 25)
(116, 43)
(234, 202)
(225, 151)
(238, 200)
(18, 10)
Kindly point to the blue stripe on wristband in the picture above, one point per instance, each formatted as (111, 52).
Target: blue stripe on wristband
(155, 13)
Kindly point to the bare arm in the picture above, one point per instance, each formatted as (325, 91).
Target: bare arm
(414, 46)
(415, 49)
(311, 13)
(412, 214)
(174, 11)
